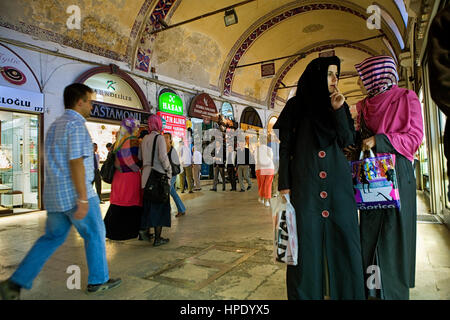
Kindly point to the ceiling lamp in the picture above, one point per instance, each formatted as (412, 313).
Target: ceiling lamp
(230, 17)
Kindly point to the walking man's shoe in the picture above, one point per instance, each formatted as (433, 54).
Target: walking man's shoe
(249, 187)
(9, 290)
(242, 190)
(110, 284)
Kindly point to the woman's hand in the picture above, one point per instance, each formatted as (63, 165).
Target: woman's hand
(337, 99)
(348, 152)
(368, 143)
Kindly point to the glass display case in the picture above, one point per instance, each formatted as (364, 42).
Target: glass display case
(19, 162)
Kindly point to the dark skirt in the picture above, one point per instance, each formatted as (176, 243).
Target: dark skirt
(122, 223)
(155, 214)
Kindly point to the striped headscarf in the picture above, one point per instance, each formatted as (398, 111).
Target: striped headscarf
(378, 74)
(128, 127)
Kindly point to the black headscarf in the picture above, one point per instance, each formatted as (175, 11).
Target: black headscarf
(312, 100)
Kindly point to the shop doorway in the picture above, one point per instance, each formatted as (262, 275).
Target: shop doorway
(102, 134)
(19, 162)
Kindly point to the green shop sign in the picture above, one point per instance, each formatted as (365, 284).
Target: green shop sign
(170, 103)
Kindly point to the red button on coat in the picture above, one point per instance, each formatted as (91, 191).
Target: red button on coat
(323, 174)
(322, 154)
(323, 194)
(325, 213)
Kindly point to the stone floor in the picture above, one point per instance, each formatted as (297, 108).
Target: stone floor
(221, 249)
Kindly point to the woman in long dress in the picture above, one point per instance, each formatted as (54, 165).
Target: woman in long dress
(124, 213)
(265, 171)
(393, 117)
(155, 215)
(314, 128)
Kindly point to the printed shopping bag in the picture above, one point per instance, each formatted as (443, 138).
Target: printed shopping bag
(375, 182)
(285, 231)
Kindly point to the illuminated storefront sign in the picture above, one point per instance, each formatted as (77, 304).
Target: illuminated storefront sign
(110, 112)
(175, 124)
(170, 103)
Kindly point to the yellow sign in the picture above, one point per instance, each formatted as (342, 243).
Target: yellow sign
(110, 88)
(245, 127)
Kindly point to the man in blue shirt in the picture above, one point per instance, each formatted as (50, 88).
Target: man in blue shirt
(69, 198)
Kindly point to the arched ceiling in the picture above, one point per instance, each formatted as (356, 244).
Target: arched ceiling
(205, 52)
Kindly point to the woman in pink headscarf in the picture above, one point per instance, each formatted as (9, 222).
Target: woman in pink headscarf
(392, 124)
(154, 215)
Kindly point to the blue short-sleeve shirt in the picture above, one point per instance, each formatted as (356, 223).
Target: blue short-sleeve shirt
(67, 139)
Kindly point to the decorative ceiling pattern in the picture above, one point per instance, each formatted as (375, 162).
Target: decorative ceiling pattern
(205, 52)
(293, 61)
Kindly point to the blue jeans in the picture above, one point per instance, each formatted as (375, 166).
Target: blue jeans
(175, 196)
(91, 229)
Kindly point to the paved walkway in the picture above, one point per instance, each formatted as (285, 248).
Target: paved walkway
(221, 249)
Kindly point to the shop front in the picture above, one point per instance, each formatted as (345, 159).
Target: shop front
(432, 159)
(117, 96)
(204, 115)
(21, 123)
(171, 109)
(251, 123)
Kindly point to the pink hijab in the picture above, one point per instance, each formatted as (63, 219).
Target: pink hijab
(154, 123)
(397, 114)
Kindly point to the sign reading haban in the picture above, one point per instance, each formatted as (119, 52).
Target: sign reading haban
(170, 103)
(202, 106)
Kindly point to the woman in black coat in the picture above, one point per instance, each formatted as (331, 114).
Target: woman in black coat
(314, 128)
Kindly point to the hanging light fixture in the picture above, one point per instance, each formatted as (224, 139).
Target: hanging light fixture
(230, 17)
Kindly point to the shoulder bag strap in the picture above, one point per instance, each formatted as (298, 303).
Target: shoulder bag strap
(155, 140)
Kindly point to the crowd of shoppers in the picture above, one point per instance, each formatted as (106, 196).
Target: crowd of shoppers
(308, 160)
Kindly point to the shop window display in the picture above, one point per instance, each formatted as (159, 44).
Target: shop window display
(102, 134)
(19, 162)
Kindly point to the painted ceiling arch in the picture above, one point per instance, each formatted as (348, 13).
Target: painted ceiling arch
(265, 24)
(202, 52)
(318, 47)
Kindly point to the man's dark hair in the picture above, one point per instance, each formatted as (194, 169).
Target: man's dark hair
(74, 92)
(109, 145)
(143, 134)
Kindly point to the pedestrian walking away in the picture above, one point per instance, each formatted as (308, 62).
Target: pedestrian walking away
(197, 166)
(231, 166)
(243, 166)
(219, 165)
(175, 164)
(97, 177)
(154, 214)
(186, 162)
(69, 198)
(264, 170)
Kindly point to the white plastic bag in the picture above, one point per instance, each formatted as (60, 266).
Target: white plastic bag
(285, 231)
